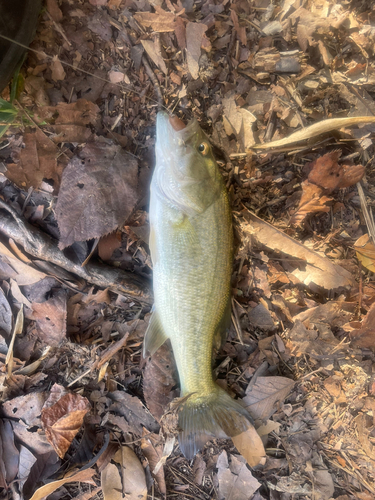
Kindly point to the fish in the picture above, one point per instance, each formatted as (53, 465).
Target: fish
(191, 246)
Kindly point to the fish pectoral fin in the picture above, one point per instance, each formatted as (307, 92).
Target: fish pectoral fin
(154, 336)
(185, 233)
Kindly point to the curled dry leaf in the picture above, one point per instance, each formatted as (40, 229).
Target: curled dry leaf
(84, 476)
(98, 193)
(133, 474)
(58, 72)
(315, 130)
(312, 201)
(152, 449)
(235, 479)
(62, 420)
(5, 314)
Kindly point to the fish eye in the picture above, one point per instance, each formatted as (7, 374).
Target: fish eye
(203, 148)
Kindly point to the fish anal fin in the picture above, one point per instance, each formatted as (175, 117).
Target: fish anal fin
(154, 336)
(224, 325)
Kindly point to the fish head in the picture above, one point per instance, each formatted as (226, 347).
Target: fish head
(186, 173)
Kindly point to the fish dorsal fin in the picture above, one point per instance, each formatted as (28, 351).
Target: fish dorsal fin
(154, 336)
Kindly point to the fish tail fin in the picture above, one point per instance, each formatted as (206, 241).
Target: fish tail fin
(202, 417)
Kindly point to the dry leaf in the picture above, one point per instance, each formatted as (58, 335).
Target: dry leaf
(37, 161)
(263, 396)
(326, 172)
(5, 313)
(62, 420)
(9, 452)
(84, 476)
(111, 483)
(58, 72)
(159, 377)
(98, 193)
(194, 36)
(162, 22)
(26, 275)
(26, 462)
(50, 317)
(312, 201)
(364, 337)
(313, 270)
(235, 479)
(250, 445)
(153, 50)
(365, 251)
(133, 474)
(152, 450)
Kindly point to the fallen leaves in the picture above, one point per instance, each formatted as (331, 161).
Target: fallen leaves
(37, 161)
(235, 479)
(84, 476)
(62, 417)
(365, 335)
(98, 193)
(194, 37)
(365, 251)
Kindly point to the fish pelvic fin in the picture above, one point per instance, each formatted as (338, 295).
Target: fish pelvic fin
(204, 417)
(154, 336)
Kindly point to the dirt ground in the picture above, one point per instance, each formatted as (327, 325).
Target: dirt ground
(285, 92)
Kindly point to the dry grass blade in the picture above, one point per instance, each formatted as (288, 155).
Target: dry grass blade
(315, 130)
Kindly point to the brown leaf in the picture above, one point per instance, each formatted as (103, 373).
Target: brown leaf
(108, 244)
(235, 480)
(241, 30)
(58, 72)
(133, 474)
(98, 193)
(162, 22)
(152, 449)
(50, 317)
(326, 172)
(136, 414)
(194, 35)
(71, 133)
(153, 49)
(54, 10)
(364, 337)
(250, 445)
(9, 452)
(111, 483)
(84, 476)
(180, 32)
(313, 270)
(37, 161)
(365, 250)
(159, 377)
(352, 175)
(312, 201)
(263, 396)
(63, 419)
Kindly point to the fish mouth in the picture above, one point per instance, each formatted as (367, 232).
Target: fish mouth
(171, 132)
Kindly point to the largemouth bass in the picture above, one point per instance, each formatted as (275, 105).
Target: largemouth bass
(191, 249)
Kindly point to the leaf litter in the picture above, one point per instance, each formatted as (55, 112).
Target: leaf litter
(292, 83)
